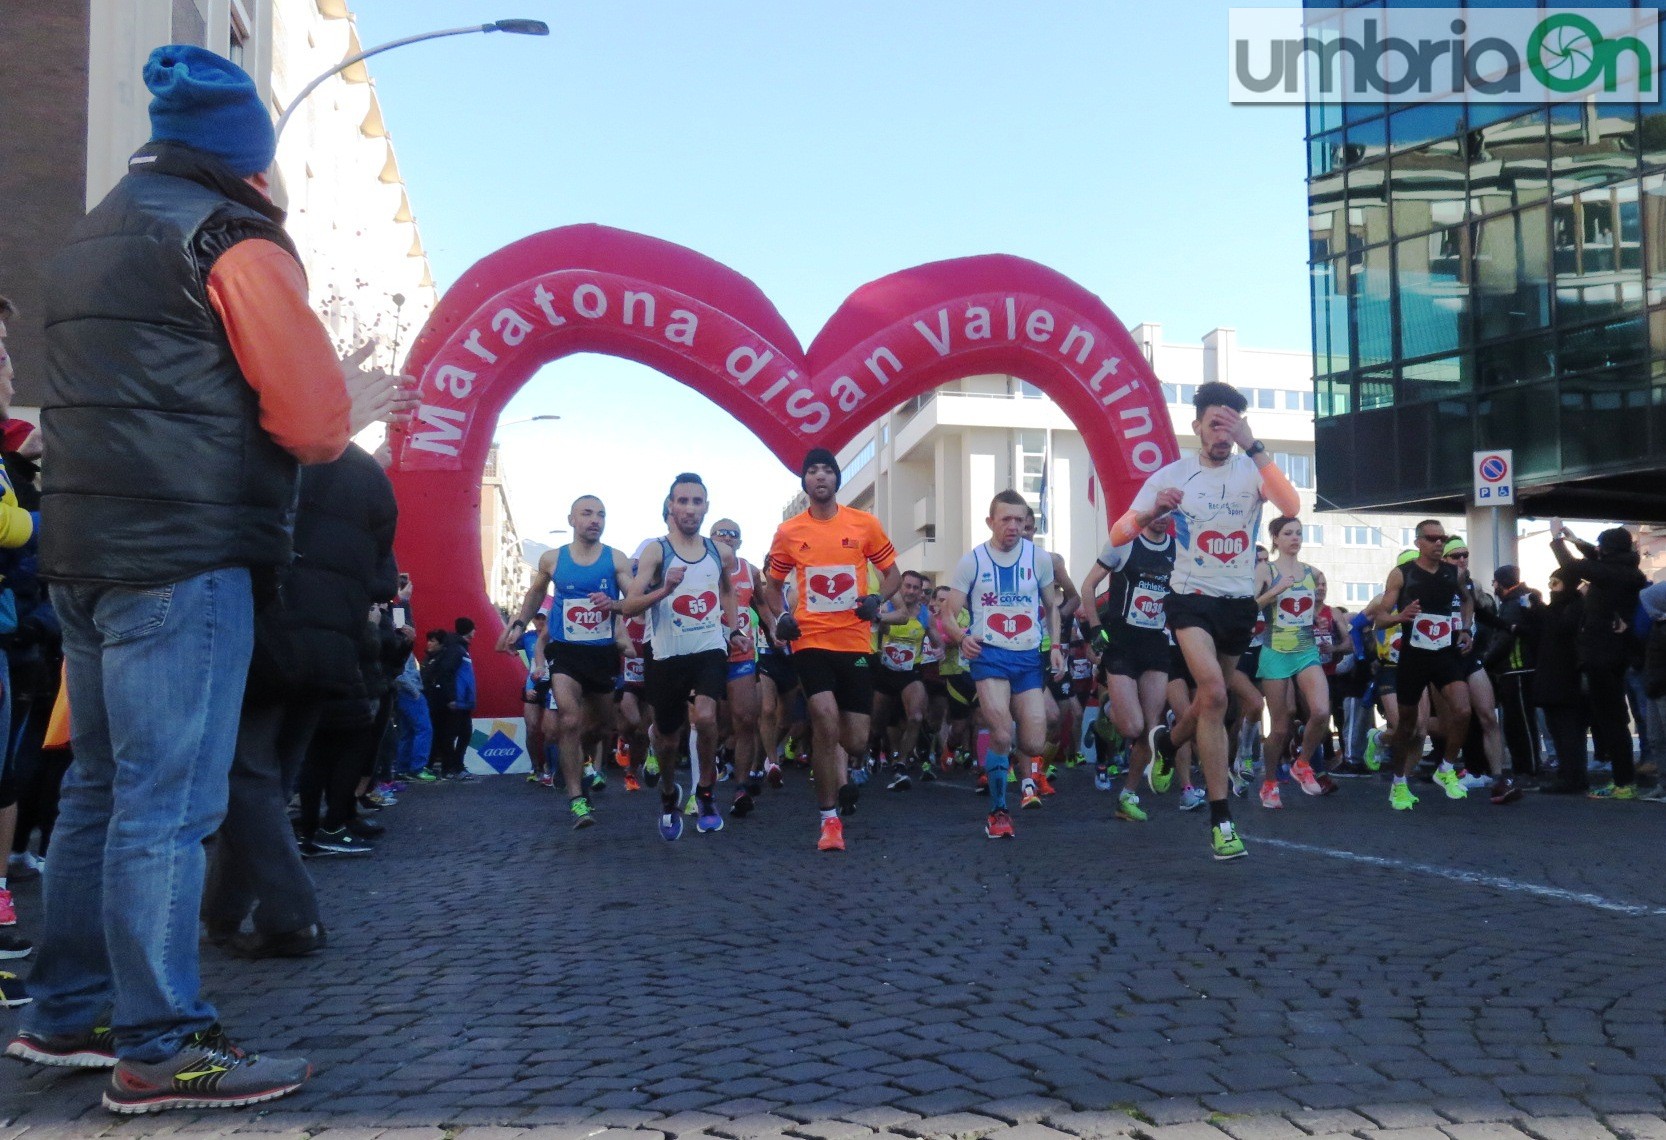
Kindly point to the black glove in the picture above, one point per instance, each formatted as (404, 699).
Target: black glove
(1101, 639)
(867, 607)
(786, 628)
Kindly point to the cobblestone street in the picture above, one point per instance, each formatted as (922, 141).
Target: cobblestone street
(1460, 972)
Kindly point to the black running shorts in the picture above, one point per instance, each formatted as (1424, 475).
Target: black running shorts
(1135, 652)
(848, 676)
(1421, 668)
(1229, 622)
(892, 682)
(594, 667)
(670, 682)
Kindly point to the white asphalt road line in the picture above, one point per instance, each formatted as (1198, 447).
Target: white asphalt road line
(1495, 881)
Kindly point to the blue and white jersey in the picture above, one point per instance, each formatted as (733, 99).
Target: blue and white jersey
(573, 619)
(1004, 592)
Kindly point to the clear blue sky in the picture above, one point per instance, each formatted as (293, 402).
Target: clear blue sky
(818, 144)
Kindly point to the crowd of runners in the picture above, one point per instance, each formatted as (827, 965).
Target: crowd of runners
(683, 665)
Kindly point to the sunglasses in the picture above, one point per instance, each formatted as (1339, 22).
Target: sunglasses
(1433, 537)
(726, 533)
(1459, 554)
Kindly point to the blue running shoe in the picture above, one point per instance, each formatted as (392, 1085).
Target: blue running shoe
(671, 822)
(710, 818)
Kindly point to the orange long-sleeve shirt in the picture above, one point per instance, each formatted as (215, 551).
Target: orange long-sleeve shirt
(260, 294)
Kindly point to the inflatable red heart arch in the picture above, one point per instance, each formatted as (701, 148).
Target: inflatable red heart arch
(595, 289)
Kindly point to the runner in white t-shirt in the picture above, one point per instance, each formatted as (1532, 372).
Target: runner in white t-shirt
(1215, 499)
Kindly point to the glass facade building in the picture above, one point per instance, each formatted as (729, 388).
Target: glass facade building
(1489, 275)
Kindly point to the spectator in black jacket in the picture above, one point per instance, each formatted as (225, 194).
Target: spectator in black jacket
(1606, 646)
(445, 660)
(1553, 631)
(1510, 661)
(307, 659)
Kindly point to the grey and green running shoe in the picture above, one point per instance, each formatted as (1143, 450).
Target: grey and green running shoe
(210, 1072)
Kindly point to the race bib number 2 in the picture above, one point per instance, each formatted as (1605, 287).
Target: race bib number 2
(829, 589)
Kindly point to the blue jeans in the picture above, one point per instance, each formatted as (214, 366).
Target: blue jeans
(156, 686)
(416, 736)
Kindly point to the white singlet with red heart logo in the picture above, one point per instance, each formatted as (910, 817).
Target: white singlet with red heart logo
(1220, 509)
(830, 589)
(690, 619)
(1432, 632)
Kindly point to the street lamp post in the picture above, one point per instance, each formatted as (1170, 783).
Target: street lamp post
(526, 420)
(513, 27)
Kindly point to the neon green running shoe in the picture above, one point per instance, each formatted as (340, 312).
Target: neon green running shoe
(1449, 780)
(1373, 745)
(1012, 775)
(1400, 797)
(691, 806)
(791, 750)
(1224, 838)
(1613, 792)
(1128, 808)
(650, 766)
(583, 817)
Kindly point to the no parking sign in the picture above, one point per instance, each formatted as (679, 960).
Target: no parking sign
(1495, 478)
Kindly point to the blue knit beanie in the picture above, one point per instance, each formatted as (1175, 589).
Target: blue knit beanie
(210, 104)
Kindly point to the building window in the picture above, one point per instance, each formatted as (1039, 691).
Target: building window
(1188, 393)
(1362, 536)
(1297, 468)
(1407, 536)
(1032, 463)
(237, 48)
(1313, 534)
(1263, 397)
(1360, 593)
(1029, 391)
(1298, 401)
(1171, 393)
(860, 460)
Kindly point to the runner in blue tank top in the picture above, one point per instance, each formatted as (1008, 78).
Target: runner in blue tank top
(581, 641)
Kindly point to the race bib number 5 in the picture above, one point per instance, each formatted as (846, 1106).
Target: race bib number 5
(829, 589)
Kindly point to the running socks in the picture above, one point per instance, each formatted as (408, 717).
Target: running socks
(995, 765)
(830, 813)
(1220, 811)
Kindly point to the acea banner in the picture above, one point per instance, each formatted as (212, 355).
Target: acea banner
(498, 747)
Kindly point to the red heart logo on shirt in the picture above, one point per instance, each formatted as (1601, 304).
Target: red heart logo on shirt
(1432, 629)
(1010, 626)
(695, 606)
(1295, 607)
(898, 654)
(1225, 547)
(831, 586)
(1150, 607)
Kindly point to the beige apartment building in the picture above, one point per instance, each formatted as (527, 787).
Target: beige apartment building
(929, 468)
(76, 109)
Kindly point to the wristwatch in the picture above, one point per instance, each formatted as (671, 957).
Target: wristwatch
(1255, 449)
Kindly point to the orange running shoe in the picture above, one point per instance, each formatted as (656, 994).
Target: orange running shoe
(999, 825)
(1304, 774)
(1031, 798)
(632, 784)
(1044, 785)
(622, 755)
(832, 835)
